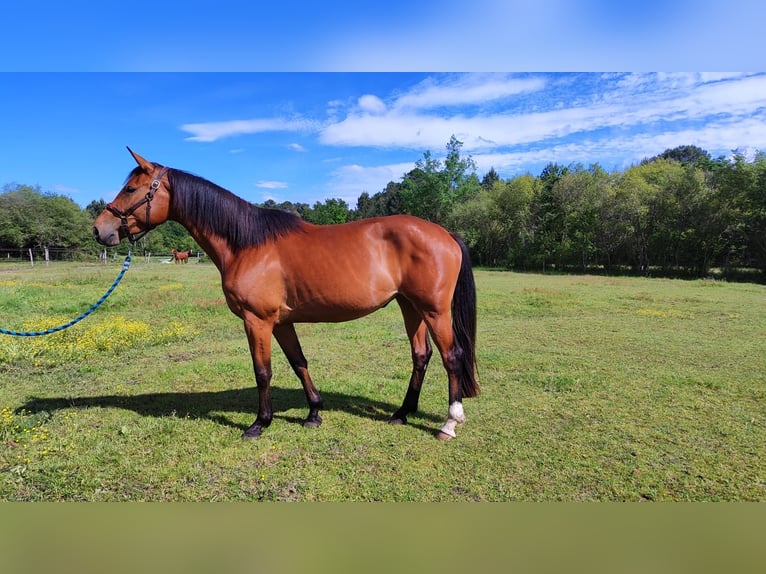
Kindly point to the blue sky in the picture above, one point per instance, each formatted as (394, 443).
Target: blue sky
(304, 101)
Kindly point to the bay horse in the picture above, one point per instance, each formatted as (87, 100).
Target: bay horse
(277, 269)
(181, 256)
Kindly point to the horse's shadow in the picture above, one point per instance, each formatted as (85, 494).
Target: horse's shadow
(214, 405)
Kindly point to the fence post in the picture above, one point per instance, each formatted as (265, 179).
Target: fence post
(31, 259)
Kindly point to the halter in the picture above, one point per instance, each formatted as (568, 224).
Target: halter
(147, 199)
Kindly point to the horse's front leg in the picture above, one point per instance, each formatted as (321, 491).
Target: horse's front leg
(288, 340)
(259, 339)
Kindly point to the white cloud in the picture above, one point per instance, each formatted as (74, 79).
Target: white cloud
(482, 112)
(372, 104)
(663, 98)
(619, 152)
(271, 184)
(213, 131)
(296, 147)
(467, 90)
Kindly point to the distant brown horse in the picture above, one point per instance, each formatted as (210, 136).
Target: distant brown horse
(181, 256)
(277, 270)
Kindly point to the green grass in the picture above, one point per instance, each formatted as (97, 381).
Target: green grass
(594, 388)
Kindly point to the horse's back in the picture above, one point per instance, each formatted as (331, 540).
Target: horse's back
(344, 271)
(421, 259)
(403, 243)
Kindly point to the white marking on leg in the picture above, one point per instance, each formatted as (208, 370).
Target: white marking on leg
(455, 416)
(456, 412)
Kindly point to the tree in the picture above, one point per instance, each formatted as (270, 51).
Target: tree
(686, 154)
(741, 191)
(386, 202)
(13, 205)
(31, 218)
(483, 229)
(433, 189)
(331, 211)
(582, 196)
(495, 222)
(669, 208)
(635, 196)
(423, 190)
(490, 178)
(755, 215)
(546, 217)
(66, 224)
(460, 173)
(95, 207)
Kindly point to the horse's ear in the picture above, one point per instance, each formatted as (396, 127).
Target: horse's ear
(147, 166)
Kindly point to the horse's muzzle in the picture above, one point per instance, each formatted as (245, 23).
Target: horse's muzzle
(110, 240)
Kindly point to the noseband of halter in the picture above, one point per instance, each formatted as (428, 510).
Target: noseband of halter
(147, 199)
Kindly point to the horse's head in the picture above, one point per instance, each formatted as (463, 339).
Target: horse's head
(142, 204)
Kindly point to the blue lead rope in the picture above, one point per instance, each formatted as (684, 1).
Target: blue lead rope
(79, 318)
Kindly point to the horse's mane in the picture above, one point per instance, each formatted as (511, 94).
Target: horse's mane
(215, 210)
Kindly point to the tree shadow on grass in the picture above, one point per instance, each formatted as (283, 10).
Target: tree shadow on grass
(213, 405)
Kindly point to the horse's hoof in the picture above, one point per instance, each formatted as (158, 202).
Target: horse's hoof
(252, 433)
(311, 423)
(444, 436)
(397, 421)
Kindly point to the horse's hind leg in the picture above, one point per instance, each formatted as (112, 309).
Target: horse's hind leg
(452, 355)
(288, 341)
(421, 354)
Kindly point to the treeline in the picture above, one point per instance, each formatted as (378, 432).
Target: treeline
(681, 212)
(30, 218)
(43, 221)
(48, 222)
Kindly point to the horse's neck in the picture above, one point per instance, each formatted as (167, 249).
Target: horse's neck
(213, 245)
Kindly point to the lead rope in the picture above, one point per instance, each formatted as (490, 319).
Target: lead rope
(79, 318)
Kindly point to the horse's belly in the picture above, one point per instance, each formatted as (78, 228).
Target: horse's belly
(331, 311)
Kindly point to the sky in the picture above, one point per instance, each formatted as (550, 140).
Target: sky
(305, 101)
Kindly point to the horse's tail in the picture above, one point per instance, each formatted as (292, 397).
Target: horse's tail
(464, 322)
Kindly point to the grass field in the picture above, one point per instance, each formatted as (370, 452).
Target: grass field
(594, 388)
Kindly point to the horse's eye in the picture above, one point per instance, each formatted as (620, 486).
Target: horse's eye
(130, 188)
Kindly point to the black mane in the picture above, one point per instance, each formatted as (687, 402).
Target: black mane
(215, 210)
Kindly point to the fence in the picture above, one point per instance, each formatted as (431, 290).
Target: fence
(42, 256)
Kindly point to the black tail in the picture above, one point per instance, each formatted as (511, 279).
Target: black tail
(464, 322)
